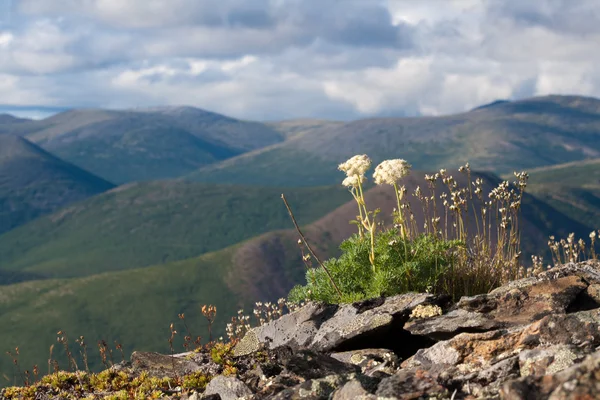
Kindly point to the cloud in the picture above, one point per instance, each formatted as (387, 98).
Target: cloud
(292, 58)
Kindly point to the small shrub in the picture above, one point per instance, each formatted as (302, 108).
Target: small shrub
(440, 256)
(401, 266)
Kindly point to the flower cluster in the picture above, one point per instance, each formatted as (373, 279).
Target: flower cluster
(355, 169)
(356, 166)
(391, 171)
(353, 181)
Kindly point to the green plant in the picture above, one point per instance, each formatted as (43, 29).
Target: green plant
(463, 244)
(401, 265)
(195, 380)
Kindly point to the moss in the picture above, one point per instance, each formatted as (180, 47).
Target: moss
(110, 380)
(120, 395)
(63, 380)
(196, 380)
(19, 392)
(222, 352)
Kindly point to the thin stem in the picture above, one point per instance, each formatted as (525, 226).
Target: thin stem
(308, 246)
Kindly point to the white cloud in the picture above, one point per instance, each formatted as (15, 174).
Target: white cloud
(292, 58)
(6, 39)
(18, 91)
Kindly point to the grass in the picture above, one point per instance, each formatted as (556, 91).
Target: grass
(152, 223)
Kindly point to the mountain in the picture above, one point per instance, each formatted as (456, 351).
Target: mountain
(137, 145)
(148, 223)
(11, 119)
(34, 182)
(136, 306)
(584, 173)
(502, 137)
(573, 188)
(289, 128)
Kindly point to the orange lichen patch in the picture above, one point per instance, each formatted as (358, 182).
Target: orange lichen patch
(480, 348)
(523, 305)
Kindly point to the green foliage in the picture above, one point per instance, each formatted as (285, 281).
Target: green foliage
(195, 380)
(400, 266)
(121, 385)
(221, 352)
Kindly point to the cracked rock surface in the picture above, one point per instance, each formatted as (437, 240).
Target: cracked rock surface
(535, 338)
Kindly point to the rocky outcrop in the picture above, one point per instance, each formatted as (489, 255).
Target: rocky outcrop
(536, 338)
(532, 338)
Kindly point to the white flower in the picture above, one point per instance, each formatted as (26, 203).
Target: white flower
(391, 171)
(353, 181)
(356, 166)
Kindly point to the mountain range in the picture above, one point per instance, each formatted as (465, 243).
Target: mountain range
(34, 182)
(134, 145)
(112, 222)
(500, 138)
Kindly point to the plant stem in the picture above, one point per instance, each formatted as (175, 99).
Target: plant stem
(308, 246)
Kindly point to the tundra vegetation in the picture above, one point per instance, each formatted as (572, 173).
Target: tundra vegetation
(465, 243)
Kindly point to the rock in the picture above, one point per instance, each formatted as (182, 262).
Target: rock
(370, 361)
(311, 365)
(328, 328)
(527, 339)
(314, 389)
(548, 360)
(228, 388)
(160, 365)
(296, 329)
(579, 381)
(519, 303)
(411, 384)
(353, 390)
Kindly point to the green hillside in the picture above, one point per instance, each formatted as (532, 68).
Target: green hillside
(156, 222)
(134, 307)
(573, 188)
(293, 127)
(34, 183)
(502, 137)
(144, 144)
(584, 173)
(139, 153)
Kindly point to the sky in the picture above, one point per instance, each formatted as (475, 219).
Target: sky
(283, 59)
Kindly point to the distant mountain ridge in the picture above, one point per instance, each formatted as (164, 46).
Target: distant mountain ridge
(135, 145)
(33, 182)
(523, 134)
(11, 119)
